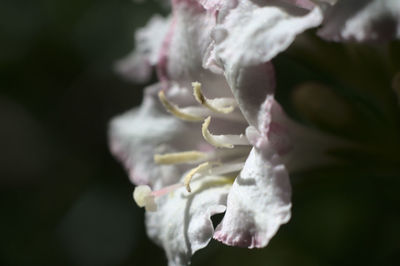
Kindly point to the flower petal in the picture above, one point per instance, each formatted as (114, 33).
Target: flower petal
(140, 133)
(190, 38)
(362, 20)
(250, 86)
(249, 34)
(274, 126)
(182, 223)
(253, 32)
(258, 203)
(137, 66)
(188, 42)
(211, 4)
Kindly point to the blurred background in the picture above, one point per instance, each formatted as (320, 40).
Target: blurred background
(66, 201)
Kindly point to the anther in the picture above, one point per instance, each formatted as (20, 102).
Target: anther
(177, 111)
(144, 198)
(218, 105)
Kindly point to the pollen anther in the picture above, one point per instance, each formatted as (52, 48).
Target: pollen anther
(144, 198)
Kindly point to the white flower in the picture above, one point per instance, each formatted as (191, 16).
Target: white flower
(237, 160)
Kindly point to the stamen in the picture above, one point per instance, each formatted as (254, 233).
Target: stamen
(222, 141)
(216, 171)
(145, 197)
(218, 105)
(228, 168)
(180, 157)
(182, 113)
(200, 168)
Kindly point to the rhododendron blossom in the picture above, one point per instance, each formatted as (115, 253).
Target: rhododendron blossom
(210, 137)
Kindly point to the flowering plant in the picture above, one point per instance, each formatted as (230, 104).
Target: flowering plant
(213, 60)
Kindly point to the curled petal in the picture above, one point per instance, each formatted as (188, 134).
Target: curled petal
(253, 32)
(258, 203)
(250, 86)
(247, 36)
(182, 224)
(275, 126)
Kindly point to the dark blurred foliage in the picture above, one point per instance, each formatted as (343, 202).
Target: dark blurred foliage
(66, 201)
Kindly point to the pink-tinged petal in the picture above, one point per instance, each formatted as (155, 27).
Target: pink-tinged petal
(362, 20)
(140, 133)
(184, 49)
(248, 34)
(182, 223)
(258, 203)
(189, 40)
(211, 4)
(137, 66)
(275, 126)
(188, 44)
(250, 86)
(299, 147)
(253, 32)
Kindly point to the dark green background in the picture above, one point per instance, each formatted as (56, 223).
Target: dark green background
(66, 201)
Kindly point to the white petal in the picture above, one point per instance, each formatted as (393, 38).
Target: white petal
(211, 4)
(137, 66)
(249, 34)
(189, 42)
(258, 203)
(362, 20)
(140, 133)
(251, 85)
(253, 32)
(182, 223)
(190, 38)
(275, 127)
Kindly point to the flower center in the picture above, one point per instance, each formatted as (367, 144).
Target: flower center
(225, 160)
